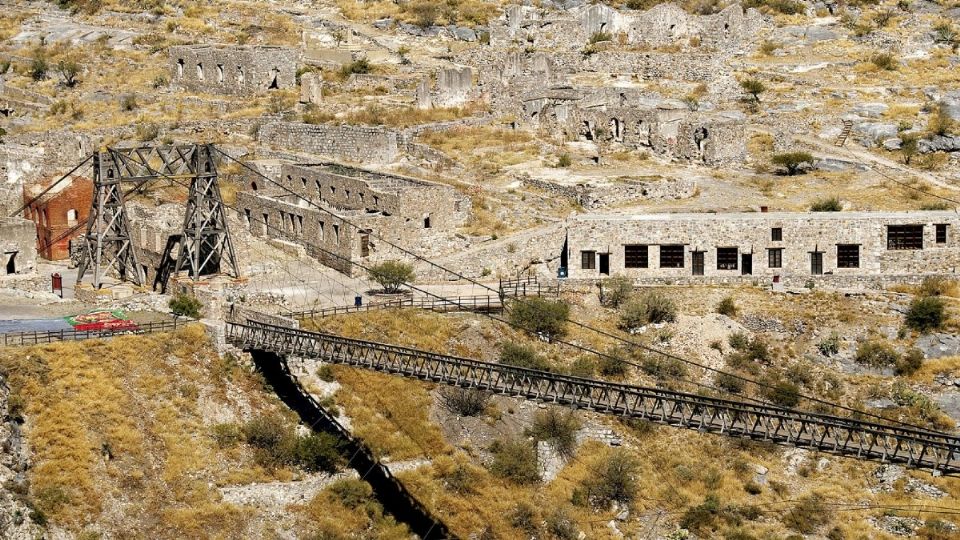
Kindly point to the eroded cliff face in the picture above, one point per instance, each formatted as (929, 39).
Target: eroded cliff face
(17, 519)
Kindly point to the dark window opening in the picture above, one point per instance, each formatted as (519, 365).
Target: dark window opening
(320, 231)
(604, 263)
(904, 236)
(318, 189)
(299, 224)
(253, 186)
(304, 182)
(816, 263)
(746, 264)
(775, 258)
(266, 223)
(671, 256)
(246, 213)
(336, 234)
(365, 245)
(426, 222)
(588, 260)
(776, 234)
(635, 256)
(11, 266)
(848, 256)
(941, 233)
(727, 258)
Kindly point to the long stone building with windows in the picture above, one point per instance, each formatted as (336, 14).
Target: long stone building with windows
(845, 248)
(351, 207)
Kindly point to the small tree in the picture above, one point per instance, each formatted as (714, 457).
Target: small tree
(515, 460)
(909, 146)
(464, 401)
(613, 479)
(941, 123)
(615, 290)
(754, 87)
(926, 313)
(793, 162)
(69, 70)
(909, 363)
(391, 275)
(185, 305)
(547, 318)
(39, 65)
(652, 307)
(556, 427)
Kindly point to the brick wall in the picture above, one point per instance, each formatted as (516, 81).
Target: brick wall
(59, 216)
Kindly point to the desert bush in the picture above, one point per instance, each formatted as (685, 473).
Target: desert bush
(556, 427)
(351, 492)
(909, 362)
(661, 366)
(128, 102)
(273, 440)
(614, 363)
(882, 17)
(884, 61)
(523, 516)
(38, 65)
(360, 66)
(147, 131)
(807, 515)
(583, 366)
(940, 122)
(727, 307)
(909, 146)
(769, 47)
(729, 383)
(185, 305)
(699, 518)
(597, 37)
(515, 460)
(829, 346)
(793, 162)
(612, 478)
(391, 275)
(926, 313)
(754, 87)
(560, 525)
(564, 160)
(876, 353)
(945, 33)
(784, 393)
(464, 401)
(318, 452)
(937, 285)
(829, 204)
(547, 318)
(615, 290)
(651, 308)
(739, 341)
(325, 373)
(523, 356)
(227, 435)
(69, 70)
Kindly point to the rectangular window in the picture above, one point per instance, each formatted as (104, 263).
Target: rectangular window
(727, 258)
(904, 236)
(336, 234)
(588, 260)
(776, 234)
(775, 258)
(635, 256)
(320, 231)
(671, 256)
(941, 233)
(816, 263)
(848, 256)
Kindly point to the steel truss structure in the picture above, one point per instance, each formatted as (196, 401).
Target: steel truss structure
(826, 433)
(205, 244)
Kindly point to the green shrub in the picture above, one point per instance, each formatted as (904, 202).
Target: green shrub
(547, 318)
(909, 362)
(727, 307)
(583, 366)
(564, 161)
(784, 393)
(729, 383)
(38, 65)
(524, 517)
(318, 452)
(754, 87)
(523, 356)
(876, 353)
(830, 345)
(615, 291)
(360, 66)
(560, 525)
(793, 162)
(515, 460)
(662, 367)
(185, 305)
(325, 373)
(936, 285)
(612, 479)
(651, 308)
(926, 313)
(829, 204)
(884, 61)
(556, 427)
(464, 401)
(391, 275)
(273, 440)
(698, 519)
(941, 123)
(351, 492)
(597, 37)
(739, 341)
(128, 102)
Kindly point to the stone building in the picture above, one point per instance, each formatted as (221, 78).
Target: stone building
(355, 206)
(18, 254)
(60, 215)
(776, 247)
(235, 70)
(361, 144)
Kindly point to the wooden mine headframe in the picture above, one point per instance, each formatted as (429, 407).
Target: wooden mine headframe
(205, 243)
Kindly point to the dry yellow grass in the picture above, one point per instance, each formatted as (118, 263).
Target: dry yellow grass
(123, 424)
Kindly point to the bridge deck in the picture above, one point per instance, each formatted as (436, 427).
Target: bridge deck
(826, 433)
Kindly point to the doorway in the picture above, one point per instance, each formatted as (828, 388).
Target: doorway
(746, 264)
(11, 266)
(604, 263)
(697, 263)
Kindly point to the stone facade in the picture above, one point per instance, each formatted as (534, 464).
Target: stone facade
(454, 86)
(359, 144)
(59, 215)
(771, 247)
(357, 206)
(592, 195)
(234, 70)
(18, 252)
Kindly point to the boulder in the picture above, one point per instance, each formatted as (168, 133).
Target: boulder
(870, 110)
(939, 143)
(465, 34)
(870, 132)
(892, 144)
(939, 345)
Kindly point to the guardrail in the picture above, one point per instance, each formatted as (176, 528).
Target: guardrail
(826, 433)
(51, 336)
(486, 304)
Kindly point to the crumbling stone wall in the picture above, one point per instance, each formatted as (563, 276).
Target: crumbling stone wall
(234, 70)
(592, 195)
(18, 252)
(360, 144)
(752, 234)
(59, 215)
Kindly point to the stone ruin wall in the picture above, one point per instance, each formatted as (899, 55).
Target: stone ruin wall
(358, 144)
(18, 239)
(608, 194)
(233, 70)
